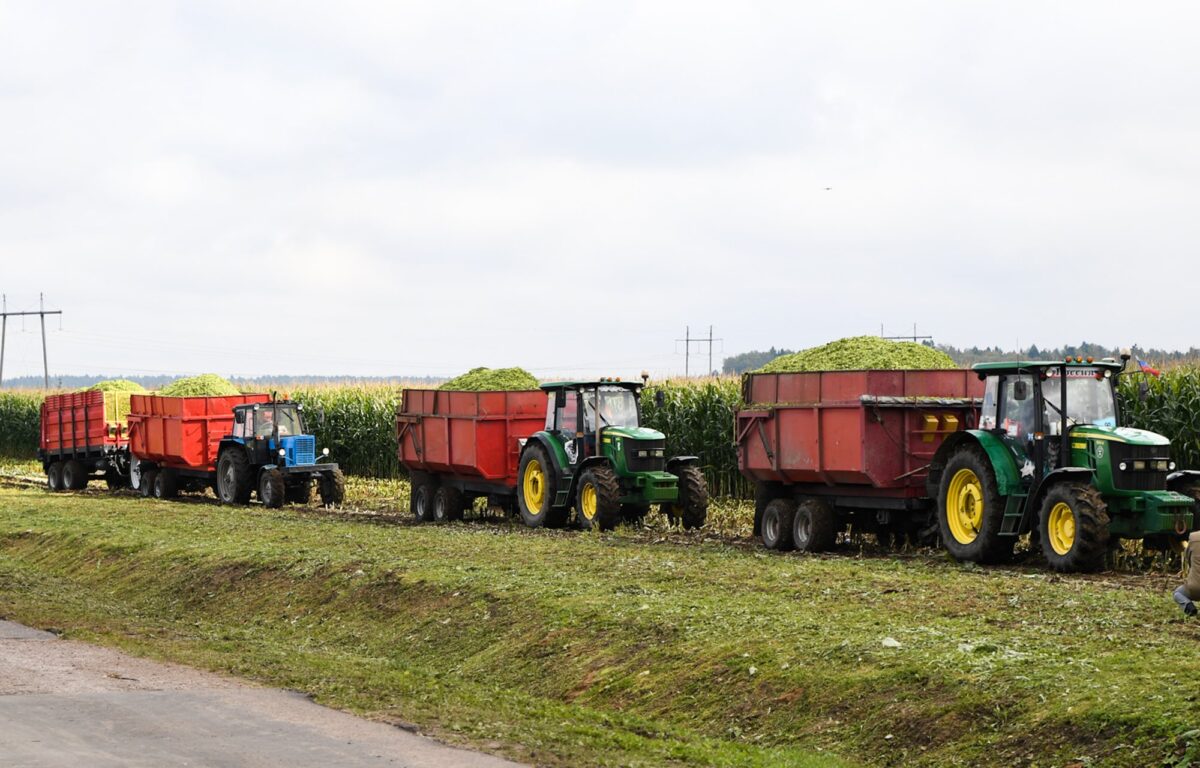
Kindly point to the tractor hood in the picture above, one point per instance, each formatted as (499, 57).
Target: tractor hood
(1127, 435)
(634, 433)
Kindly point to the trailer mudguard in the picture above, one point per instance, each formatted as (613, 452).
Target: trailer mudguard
(1008, 477)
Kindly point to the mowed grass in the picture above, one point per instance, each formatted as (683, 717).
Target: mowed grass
(565, 649)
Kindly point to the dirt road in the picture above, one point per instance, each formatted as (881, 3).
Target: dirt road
(64, 703)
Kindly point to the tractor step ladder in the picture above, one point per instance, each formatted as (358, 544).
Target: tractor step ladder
(1014, 512)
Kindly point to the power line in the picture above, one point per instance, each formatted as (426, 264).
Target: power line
(687, 348)
(41, 313)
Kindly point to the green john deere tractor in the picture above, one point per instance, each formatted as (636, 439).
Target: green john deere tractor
(1049, 458)
(594, 455)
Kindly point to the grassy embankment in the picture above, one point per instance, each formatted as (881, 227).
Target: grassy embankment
(620, 649)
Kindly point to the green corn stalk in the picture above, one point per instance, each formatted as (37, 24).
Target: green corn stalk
(20, 423)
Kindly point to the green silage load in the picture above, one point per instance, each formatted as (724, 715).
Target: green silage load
(204, 385)
(493, 380)
(859, 353)
(117, 393)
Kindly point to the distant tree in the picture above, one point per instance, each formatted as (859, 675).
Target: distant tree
(748, 361)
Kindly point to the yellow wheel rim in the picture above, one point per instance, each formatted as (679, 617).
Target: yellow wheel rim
(964, 506)
(587, 501)
(1061, 528)
(534, 486)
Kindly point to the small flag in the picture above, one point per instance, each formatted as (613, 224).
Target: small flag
(1147, 368)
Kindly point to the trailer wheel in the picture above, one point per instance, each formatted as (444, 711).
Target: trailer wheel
(421, 498)
(300, 493)
(147, 486)
(333, 488)
(270, 488)
(692, 507)
(165, 485)
(764, 493)
(234, 483)
(970, 509)
(535, 488)
(448, 504)
(776, 527)
(598, 499)
(54, 478)
(1074, 527)
(814, 528)
(73, 476)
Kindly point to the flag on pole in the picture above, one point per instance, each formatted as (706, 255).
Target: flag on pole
(1147, 368)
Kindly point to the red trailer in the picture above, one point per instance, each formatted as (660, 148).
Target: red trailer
(459, 446)
(829, 449)
(83, 435)
(175, 440)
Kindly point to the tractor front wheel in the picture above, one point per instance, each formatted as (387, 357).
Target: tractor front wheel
(270, 488)
(598, 501)
(692, 507)
(970, 509)
(333, 488)
(1074, 527)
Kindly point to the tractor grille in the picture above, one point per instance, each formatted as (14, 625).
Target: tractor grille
(1133, 480)
(648, 463)
(306, 449)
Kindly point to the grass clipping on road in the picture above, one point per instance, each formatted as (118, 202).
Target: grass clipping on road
(580, 649)
(861, 353)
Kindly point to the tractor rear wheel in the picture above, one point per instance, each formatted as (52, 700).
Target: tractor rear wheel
(420, 501)
(598, 500)
(692, 507)
(270, 488)
(73, 475)
(1074, 527)
(776, 524)
(234, 483)
(333, 488)
(814, 528)
(447, 504)
(970, 509)
(535, 488)
(54, 478)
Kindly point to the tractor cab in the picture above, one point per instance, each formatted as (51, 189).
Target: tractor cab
(273, 433)
(603, 418)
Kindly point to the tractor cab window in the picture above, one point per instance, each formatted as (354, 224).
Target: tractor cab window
(567, 418)
(987, 413)
(618, 408)
(287, 418)
(241, 423)
(1089, 401)
(270, 417)
(1017, 406)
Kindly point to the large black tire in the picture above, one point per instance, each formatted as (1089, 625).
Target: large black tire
(74, 476)
(234, 480)
(421, 498)
(764, 494)
(54, 478)
(776, 527)
(271, 489)
(333, 488)
(299, 492)
(536, 487)
(969, 523)
(448, 504)
(147, 486)
(814, 527)
(165, 485)
(692, 507)
(598, 499)
(1073, 522)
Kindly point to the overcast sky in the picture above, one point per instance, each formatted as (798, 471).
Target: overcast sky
(416, 188)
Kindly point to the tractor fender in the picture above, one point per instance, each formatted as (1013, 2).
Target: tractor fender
(1008, 477)
(676, 463)
(1182, 476)
(1060, 475)
(230, 443)
(564, 477)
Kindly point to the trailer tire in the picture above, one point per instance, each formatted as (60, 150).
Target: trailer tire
(1074, 527)
(598, 499)
(814, 527)
(270, 488)
(165, 485)
(776, 528)
(300, 493)
(73, 476)
(54, 478)
(969, 523)
(421, 499)
(692, 507)
(764, 494)
(448, 504)
(536, 489)
(147, 486)
(333, 488)
(234, 483)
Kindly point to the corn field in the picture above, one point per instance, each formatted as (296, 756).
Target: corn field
(20, 419)
(357, 424)
(697, 418)
(1169, 405)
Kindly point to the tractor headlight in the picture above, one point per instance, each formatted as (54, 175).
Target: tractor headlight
(658, 453)
(1122, 466)
(324, 451)
(1139, 466)
(282, 453)
(643, 454)
(1171, 467)
(1161, 466)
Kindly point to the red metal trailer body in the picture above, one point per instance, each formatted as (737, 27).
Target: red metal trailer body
(860, 441)
(81, 422)
(469, 440)
(183, 433)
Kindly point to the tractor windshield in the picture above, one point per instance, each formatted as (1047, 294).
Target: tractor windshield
(284, 417)
(1089, 401)
(618, 408)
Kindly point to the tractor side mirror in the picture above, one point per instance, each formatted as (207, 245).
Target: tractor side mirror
(560, 398)
(660, 399)
(1020, 390)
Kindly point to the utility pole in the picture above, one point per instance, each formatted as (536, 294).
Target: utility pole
(687, 349)
(41, 313)
(914, 337)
